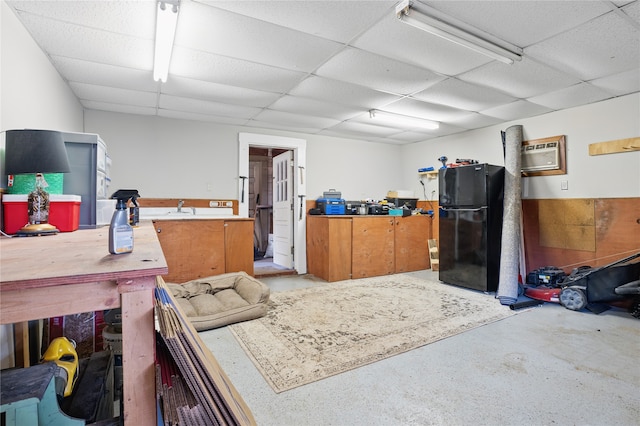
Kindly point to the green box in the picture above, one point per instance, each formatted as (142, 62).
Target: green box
(25, 183)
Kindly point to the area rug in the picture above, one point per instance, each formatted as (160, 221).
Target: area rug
(312, 333)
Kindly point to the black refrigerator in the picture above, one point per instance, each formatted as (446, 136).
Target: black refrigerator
(471, 225)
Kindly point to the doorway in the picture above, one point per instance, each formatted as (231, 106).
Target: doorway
(261, 194)
(255, 159)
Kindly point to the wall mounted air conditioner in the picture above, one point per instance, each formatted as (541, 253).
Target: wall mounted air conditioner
(541, 156)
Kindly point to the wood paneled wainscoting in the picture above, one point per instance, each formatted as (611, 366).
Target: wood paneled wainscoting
(568, 233)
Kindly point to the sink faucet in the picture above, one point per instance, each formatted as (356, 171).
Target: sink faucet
(180, 204)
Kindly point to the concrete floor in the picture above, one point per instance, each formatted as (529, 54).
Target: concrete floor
(544, 366)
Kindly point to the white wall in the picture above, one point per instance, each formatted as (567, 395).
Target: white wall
(602, 176)
(32, 93)
(169, 158)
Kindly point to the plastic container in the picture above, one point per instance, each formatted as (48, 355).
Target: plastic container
(120, 232)
(64, 212)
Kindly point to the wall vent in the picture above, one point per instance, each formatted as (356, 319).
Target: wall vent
(541, 156)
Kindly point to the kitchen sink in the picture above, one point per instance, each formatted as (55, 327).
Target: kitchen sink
(184, 213)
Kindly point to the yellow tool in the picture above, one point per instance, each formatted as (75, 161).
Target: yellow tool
(62, 351)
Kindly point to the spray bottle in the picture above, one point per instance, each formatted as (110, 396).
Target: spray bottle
(120, 232)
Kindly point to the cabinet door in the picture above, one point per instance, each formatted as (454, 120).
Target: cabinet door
(193, 248)
(238, 240)
(329, 247)
(373, 246)
(412, 243)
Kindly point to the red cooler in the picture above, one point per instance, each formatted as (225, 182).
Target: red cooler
(64, 212)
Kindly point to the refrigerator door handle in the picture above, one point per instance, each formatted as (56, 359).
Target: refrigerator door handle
(463, 210)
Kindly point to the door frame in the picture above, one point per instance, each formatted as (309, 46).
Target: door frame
(299, 148)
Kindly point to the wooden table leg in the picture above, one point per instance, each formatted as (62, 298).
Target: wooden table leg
(138, 352)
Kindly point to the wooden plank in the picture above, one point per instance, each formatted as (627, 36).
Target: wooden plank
(616, 235)
(340, 249)
(138, 348)
(615, 146)
(329, 247)
(373, 246)
(75, 299)
(238, 237)
(411, 243)
(45, 261)
(567, 224)
(183, 243)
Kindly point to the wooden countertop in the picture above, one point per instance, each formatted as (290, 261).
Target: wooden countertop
(77, 257)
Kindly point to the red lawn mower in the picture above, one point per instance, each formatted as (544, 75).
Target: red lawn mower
(597, 289)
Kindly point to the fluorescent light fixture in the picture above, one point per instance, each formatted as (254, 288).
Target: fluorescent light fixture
(166, 21)
(410, 123)
(458, 32)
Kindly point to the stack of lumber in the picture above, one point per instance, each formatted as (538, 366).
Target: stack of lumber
(433, 255)
(191, 388)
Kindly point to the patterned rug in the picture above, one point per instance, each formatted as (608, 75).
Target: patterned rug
(313, 333)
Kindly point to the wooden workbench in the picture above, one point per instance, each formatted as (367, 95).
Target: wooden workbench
(70, 273)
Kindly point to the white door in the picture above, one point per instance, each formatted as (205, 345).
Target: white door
(283, 209)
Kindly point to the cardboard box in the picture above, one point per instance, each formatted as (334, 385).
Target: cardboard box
(64, 212)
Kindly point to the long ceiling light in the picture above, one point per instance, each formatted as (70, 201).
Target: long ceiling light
(166, 21)
(438, 24)
(408, 122)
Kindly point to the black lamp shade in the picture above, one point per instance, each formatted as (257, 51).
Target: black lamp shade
(35, 151)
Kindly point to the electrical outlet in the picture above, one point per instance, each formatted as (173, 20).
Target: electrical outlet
(564, 185)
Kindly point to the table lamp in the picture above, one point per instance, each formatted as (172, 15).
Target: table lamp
(36, 151)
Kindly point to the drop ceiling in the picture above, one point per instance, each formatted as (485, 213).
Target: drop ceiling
(318, 67)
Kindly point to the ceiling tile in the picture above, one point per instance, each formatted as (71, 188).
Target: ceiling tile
(516, 110)
(182, 115)
(354, 127)
(197, 89)
(123, 109)
(82, 71)
(522, 79)
(619, 84)
(236, 36)
(76, 41)
(416, 108)
(580, 94)
(459, 94)
(377, 72)
(235, 72)
(342, 93)
(306, 106)
(318, 67)
(112, 95)
(207, 107)
(474, 120)
(525, 22)
(607, 45)
(257, 124)
(295, 120)
(333, 20)
(397, 40)
(134, 18)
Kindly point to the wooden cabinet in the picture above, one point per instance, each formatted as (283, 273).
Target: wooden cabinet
(344, 247)
(329, 247)
(412, 243)
(373, 246)
(198, 248)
